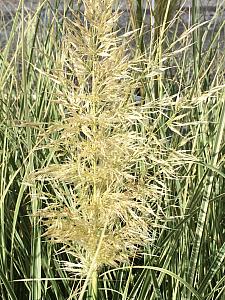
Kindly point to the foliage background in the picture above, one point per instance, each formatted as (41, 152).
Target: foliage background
(187, 259)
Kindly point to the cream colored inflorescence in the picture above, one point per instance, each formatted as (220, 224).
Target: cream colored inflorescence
(108, 154)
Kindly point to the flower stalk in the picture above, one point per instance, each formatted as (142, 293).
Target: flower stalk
(94, 285)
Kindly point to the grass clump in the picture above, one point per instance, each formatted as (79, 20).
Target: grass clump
(109, 136)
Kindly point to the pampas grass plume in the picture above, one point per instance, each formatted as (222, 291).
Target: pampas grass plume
(109, 156)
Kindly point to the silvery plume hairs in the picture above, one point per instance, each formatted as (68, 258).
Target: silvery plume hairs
(107, 150)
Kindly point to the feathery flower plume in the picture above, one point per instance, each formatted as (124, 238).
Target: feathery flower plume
(109, 156)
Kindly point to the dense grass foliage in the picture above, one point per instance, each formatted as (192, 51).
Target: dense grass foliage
(173, 135)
